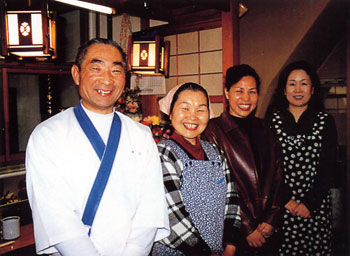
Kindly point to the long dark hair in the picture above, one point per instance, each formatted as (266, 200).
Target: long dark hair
(279, 100)
(191, 87)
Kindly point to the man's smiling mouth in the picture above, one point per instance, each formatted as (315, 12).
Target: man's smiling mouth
(103, 92)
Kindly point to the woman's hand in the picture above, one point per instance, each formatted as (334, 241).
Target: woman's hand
(255, 239)
(302, 211)
(266, 229)
(291, 206)
(230, 250)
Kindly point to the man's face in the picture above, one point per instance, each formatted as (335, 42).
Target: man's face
(101, 78)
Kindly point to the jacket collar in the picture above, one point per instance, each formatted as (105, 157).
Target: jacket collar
(228, 122)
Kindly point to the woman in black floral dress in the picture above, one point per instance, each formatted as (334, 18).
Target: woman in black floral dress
(308, 138)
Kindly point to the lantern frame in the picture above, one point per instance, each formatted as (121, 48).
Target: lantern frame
(30, 33)
(149, 56)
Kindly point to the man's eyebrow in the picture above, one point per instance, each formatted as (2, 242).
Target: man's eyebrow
(118, 63)
(115, 63)
(96, 61)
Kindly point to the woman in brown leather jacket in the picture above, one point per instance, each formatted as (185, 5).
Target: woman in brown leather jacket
(254, 159)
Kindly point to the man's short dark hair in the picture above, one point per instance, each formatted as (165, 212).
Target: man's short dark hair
(84, 48)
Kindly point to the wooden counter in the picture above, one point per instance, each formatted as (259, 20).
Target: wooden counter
(26, 238)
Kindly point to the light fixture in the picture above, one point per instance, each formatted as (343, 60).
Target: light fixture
(242, 9)
(89, 6)
(149, 56)
(30, 34)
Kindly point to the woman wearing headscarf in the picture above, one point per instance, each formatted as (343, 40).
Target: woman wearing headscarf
(202, 200)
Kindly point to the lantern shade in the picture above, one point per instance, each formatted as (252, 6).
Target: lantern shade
(143, 55)
(27, 32)
(149, 56)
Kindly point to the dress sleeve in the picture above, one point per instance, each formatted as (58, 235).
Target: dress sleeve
(280, 193)
(324, 178)
(232, 221)
(183, 235)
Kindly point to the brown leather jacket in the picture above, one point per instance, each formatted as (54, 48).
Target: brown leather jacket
(261, 191)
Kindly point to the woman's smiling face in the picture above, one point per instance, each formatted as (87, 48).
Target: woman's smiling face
(242, 97)
(190, 115)
(298, 89)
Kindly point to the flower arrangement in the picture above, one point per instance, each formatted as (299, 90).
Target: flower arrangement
(159, 131)
(151, 120)
(129, 103)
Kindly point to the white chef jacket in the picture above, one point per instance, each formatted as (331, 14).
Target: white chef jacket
(61, 167)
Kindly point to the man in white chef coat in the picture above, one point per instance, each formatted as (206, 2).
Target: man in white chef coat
(94, 177)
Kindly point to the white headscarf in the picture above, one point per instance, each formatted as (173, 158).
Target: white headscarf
(165, 102)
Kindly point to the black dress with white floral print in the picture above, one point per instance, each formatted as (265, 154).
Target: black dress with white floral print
(308, 154)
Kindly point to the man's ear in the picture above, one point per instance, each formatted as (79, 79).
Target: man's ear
(75, 74)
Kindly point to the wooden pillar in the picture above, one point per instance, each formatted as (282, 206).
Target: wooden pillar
(5, 96)
(3, 42)
(230, 38)
(98, 25)
(45, 26)
(109, 27)
(150, 105)
(84, 26)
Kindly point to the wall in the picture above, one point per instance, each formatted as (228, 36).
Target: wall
(335, 64)
(269, 33)
(27, 97)
(69, 95)
(71, 42)
(197, 57)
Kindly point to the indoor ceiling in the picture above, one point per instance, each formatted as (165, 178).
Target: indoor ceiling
(165, 10)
